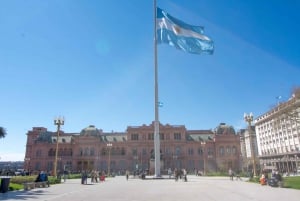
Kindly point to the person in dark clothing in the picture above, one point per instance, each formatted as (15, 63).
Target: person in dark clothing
(278, 176)
(42, 177)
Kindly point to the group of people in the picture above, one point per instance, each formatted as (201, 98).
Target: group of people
(275, 180)
(180, 174)
(231, 174)
(94, 174)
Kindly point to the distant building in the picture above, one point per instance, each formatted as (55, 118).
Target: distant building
(203, 150)
(278, 136)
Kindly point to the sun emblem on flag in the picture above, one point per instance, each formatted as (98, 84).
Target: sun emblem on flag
(176, 29)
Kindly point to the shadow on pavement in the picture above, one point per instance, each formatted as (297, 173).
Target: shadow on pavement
(22, 195)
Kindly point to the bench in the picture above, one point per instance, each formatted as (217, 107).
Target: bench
(29, 185)
(32, 185)
(42, 184)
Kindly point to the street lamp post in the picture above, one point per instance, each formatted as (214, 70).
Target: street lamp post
(109, 145)
(136, 158)
(175, 159)
(27, 162)
(58, 122)
(249, 118)
(204, 157)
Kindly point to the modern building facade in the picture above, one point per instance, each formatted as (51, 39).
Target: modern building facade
(278, 136)
(201, 150)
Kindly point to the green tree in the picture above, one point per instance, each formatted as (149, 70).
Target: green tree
(2, 132)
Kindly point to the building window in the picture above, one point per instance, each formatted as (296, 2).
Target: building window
(200, 151)
(162, 136)
(86, 151)
(234, 152)
(144, 152)
(177, 136)
(37, 165)
(190, 151)
(168, 137)
(123, 152)
(221, 151)
(51, 152)
(168, 152)
(134, 152)
(92, 152)
(103, 151)
(177, 151)
(49, 165)
(134, 136)
(228, 150)
(150, 136)
(38, 153)
(210, 151)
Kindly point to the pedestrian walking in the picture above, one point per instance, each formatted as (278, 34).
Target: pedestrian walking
(184, 172)
(176, 174)
(169, 173)
(84, 177)
(127, 174)
(230, 173)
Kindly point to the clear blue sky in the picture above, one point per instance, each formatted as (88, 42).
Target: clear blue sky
(92, 62)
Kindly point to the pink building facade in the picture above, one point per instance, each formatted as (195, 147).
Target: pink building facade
(92, 149)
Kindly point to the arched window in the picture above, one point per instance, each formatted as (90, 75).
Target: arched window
(38, 153)
(221, 151)
(177, 151)
(123, 152)
(92, 151)
(86, 151)
(113, 151)
(234, 152)
(103, 152)
(51, 152)
(200, 151)
(210, 151)
(228, 150)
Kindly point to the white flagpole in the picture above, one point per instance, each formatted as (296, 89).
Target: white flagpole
(156, 122)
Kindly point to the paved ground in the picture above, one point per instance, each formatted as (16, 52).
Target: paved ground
(118, 189)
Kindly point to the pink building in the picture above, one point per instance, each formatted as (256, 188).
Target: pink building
(202, 150)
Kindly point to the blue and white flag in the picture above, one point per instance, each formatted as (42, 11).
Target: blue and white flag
(183, 36)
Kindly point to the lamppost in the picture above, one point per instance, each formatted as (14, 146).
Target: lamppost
(249, 118)
(175, 159)
(109, 145)
(27, 162)
(204, 157)
(58, 122)
(136, 158)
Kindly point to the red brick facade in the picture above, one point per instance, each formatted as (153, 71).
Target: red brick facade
(203, 150)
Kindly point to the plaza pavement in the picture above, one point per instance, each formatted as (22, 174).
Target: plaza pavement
(118, 189)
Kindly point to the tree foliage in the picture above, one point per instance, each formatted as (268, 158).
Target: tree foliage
(2, 132)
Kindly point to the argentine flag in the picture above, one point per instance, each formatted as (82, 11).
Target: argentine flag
(183, 36)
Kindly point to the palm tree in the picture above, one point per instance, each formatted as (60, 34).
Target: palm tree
(2, 132)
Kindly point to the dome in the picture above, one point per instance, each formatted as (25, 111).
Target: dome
(224, 129)
(91, 130)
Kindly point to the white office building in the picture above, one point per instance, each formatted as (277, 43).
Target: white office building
(278, 136)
